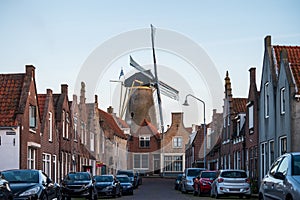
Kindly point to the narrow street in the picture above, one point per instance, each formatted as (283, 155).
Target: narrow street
(158, 188)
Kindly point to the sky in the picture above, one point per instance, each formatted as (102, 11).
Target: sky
(62, 38)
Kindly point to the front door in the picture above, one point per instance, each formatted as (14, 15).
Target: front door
(156, 163)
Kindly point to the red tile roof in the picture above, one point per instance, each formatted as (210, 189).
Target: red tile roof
(239, 105)
(10, 93)
(110, 122)
(146, 128)
(293, 53)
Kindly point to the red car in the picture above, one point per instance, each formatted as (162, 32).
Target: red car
(202, 184)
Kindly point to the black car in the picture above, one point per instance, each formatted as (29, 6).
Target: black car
(5, 191)
(131, 175)
(108, 185)
(31, 184)
(178, 182)
(127, 187)
(78, 184)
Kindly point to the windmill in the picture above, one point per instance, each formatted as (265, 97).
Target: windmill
(140, 87)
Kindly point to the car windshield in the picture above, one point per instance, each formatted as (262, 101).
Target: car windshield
(21, 176)
(128, 173)
(104, 178)
(208, 174)
(78, 177)
(123, 179)
(234, 174)
(193, 172)
(296, 165)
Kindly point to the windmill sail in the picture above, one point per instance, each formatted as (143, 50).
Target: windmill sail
(165, 89)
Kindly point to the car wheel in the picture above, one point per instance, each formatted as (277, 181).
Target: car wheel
(261, 196)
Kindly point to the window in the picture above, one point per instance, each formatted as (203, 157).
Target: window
(266, 91)
(271, 152)
(31, 158)
(177, 142)
(283, 145)
(47, 163)
(50, 127)
(141, 161)
(144, 141)
(92, 135)
(282, 101)
(238, 127)
(55, 168)
(250, 118)
(64, 124)
(67, 125)
(82, 132)
(75, 128)
(283, 167)
(173, 163)
(263, 159)
(32, 116)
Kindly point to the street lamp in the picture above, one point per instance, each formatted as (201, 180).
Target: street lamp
(187, 104)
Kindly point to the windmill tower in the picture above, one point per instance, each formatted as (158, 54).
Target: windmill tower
(141, 88)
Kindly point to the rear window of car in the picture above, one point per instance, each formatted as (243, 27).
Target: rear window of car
(208, 174)
(104, 178)
(193, 172)
(296, 165)
(234, 174)
(128, 173)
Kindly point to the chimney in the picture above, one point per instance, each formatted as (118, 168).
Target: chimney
(64, 89)
(110, 110)
(96, 98)
(30, 70)
(252, 71)
(177, 118)
(49, 92)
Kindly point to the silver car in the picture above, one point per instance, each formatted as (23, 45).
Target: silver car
(231, 183)
(283, 179)
(187, 181)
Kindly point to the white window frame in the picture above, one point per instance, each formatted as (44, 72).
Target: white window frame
(47, 163)
(67, 124)
(146, 140)
(177, 142)
(267, 100)
(282, 100)
(54, 162)
(140, 162)
(92, 139)
(250, 117)
(32, 116)
(31, 158)
(174, 161)
(50, 120)
(63, 123)
(263, 158)
(282, 145)
(75, 128)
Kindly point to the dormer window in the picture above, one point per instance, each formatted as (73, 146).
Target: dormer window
(144, 141)
(282, 101)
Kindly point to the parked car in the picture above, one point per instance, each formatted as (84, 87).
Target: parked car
(203, 184)
(188, 179)
(127, 187)
(130, 174)
(31, 184)
(108, 185)
(138, 178)
(78, 184)
(178, 182)
(5, 191)
(231, 183)
(283, 179)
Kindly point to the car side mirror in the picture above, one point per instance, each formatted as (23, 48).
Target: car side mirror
(279, 175)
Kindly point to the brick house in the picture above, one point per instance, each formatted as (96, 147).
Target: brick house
(144, 149)
(251, 131)
(115, 143)
(173, 146)
(49, 135)
(214, 133)
(234, 113)
(20, 140)
(279, 112)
